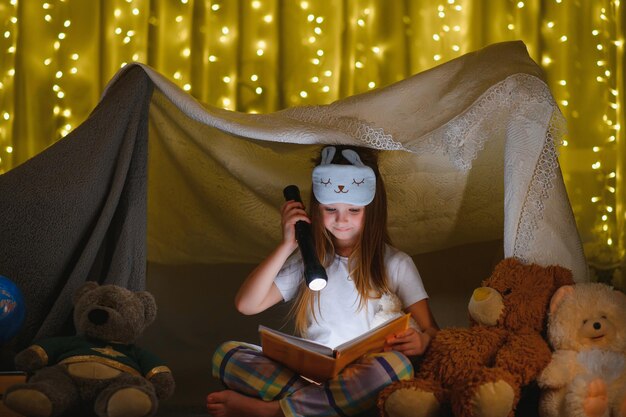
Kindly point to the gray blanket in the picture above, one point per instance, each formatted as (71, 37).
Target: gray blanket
(77, 211)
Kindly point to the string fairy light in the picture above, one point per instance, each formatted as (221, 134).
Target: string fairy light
(8, 43)
(603, 252)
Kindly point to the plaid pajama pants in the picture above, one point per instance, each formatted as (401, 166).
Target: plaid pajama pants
(243, 368)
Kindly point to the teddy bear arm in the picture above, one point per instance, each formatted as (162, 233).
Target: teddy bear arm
(31, 359)
(560, 371)
(163, 383)
(524, 356)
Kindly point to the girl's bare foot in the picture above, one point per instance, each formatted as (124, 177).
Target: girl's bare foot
(233, 404)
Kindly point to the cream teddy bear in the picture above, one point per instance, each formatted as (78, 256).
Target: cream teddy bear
(586, 376)
(389, 307)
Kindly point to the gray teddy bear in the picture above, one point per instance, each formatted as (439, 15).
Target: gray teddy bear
(99, 370)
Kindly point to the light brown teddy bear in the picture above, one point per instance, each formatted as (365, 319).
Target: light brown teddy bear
(480, 371)
(586, 377)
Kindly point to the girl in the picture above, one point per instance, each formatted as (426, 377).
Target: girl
(349, 227)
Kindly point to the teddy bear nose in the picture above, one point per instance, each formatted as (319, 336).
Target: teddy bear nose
(98, 316)
(597, 325)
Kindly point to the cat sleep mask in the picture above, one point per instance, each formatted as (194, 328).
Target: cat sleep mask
(350, 184)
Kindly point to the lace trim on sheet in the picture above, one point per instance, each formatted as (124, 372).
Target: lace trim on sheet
(463, 137)
(362, 131)
(542, 181)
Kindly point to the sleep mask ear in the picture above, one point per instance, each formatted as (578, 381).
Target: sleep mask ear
(350, 184)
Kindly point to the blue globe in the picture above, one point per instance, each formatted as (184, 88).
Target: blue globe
(12, 309)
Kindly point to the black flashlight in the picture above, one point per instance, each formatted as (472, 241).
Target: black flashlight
(314, 272)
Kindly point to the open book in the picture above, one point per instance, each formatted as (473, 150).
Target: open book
(318, 362)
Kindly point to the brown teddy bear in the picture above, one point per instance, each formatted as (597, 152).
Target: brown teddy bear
(587, 375)
(479, 371)
(100, 369)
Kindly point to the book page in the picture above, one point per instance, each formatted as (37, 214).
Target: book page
(298, 341)
(346, 345)
(370, 342)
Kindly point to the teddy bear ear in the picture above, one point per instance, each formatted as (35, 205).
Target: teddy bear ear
(562, 276)
(149, 306)
(620, 295)
(84, 289)
(559, 296)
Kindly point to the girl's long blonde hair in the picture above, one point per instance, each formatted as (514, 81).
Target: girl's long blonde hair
(367, 260)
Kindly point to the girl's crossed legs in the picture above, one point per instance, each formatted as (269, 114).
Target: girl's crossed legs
(261, 387)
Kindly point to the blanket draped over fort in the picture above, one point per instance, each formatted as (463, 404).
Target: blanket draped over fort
(469, 155)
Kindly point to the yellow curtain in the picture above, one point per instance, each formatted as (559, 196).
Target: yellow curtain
(264, 55)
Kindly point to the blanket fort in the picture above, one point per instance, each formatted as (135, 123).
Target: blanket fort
(469, 156)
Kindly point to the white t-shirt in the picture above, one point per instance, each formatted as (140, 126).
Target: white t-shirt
(339, 318)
